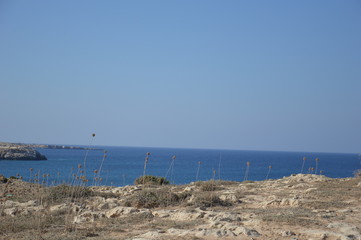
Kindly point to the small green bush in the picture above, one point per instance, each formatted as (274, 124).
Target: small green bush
(151, 180)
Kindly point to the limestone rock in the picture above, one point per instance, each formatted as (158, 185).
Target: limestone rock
(350, 231)
(187, 215)
(20, 153)
(119, 211)
(58, 207)
(239, 230)
(87, 216)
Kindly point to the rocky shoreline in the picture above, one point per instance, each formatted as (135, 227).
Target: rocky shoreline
(17, 152)
(48, 146)
(298, 207)
(23, 151)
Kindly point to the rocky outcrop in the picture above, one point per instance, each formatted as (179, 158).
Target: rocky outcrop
(302, 206)
(20, 153)
(47, 146)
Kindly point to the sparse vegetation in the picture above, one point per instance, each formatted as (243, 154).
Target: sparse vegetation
(80, 212)
(357, 173)
(180, 207)
(199, 166)
(3, 179)
(247, 171)
(269, 171)
(303, 164)
(61, 193)
(205, 200)
(317, 160)
(9, 224)
(145, 166)
(207, 185)
(152, 198)
(214, 185)
(291, 216)
(151, 180)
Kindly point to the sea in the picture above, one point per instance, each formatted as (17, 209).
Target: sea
(120, 166)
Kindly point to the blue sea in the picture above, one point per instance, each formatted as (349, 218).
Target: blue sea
(123, 165)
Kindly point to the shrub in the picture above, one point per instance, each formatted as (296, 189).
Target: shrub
(3, 179)
(146, 199)
(151, 180)
(156, 198)
(205, 200)
(208, 186)
(357, 173)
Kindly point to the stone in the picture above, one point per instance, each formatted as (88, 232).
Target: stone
(350, 231)
(119, 211)
(87, 216)
(288, 233)
(248, 232)
(229, 197)
(187, 215)
(58, 207)
(10, 211)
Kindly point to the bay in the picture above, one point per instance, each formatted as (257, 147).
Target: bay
(123, 165)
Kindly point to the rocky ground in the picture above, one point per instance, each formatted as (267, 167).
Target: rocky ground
(295, 207)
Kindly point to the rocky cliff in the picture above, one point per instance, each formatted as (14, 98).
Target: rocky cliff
(13, 152)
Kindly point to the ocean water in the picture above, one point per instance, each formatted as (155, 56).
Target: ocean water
(124, 164)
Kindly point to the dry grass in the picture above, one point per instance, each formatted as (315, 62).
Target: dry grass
(208, 186)
(214, 185)
(292, 216)
(206, 200)
(160, 197)
(36, 222)
(357, 173)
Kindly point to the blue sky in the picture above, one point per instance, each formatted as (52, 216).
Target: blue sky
(252, 75)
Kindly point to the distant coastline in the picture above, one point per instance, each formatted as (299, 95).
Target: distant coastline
(47, 146)
(10, 151)
(23, 151)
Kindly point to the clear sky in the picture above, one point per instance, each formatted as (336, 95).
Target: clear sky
(252, 75)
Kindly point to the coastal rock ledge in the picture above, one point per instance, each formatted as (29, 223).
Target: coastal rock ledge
(20, 153)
